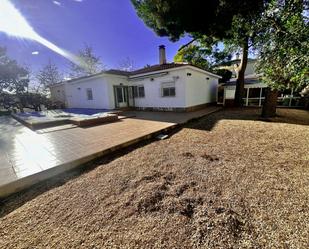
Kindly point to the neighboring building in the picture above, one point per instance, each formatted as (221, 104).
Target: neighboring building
(166, 86)
(254, 94)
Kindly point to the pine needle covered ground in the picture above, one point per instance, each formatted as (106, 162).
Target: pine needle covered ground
(228, 180)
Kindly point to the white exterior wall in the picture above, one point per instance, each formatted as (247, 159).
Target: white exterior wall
(114, 80)
(199, 89)
(102, 91)
(190, 90)
(57, 93)
(153, 95)
(250, 69)
(229, 93)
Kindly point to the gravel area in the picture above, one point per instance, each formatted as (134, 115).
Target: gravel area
(229, 180)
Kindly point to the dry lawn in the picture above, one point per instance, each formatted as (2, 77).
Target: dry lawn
(228, 180)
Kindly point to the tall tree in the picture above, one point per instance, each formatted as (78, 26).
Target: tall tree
(225, 20)
(47, 76)
(89, 63)
(14, 81)
(284, 49)
(206, 57)
(195, 55)
(15, 89)
(13, 77)
(126, 64)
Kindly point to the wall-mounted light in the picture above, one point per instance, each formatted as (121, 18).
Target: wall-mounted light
(151, 79)
(207, 78)
(121, 84)
(189, 74)
(78, 88)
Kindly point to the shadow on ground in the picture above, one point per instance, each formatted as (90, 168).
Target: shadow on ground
(284, 116)
(298, 117)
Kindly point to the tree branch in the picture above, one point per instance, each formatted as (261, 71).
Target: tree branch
(187, 44)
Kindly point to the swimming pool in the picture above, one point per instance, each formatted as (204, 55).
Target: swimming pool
(85, 111)
(79, 116)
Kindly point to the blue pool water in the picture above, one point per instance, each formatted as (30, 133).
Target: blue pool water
(31, 114)
(67, 111)
(84, 111)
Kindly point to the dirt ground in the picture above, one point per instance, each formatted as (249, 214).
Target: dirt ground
(229, 180)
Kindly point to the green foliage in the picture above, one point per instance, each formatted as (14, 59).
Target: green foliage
(203, 55)
(14, 86)
(206, 57)
(5, 113)
(224, 20)
(224, 73)
(33, 100)
(13, 78)
(91, 63)
(214, 18)
(283, 45)
(194, 55)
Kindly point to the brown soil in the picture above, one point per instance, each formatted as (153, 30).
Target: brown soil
(228, 180)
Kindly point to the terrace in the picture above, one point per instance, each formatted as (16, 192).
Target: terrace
(73, 116)
(29, 156)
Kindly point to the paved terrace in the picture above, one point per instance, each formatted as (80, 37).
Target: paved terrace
(27, 157)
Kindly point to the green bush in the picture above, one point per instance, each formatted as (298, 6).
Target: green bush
(3, 113)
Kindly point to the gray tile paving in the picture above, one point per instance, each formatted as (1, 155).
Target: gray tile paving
(27, 157)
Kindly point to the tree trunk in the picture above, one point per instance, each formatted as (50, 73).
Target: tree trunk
(240, 82)
(270, 104)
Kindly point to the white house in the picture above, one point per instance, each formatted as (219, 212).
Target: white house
(166, 86)
(255, 89)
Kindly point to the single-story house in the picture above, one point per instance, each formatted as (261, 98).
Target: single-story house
(165, 86)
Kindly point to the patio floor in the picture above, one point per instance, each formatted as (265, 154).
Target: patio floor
(27, 157)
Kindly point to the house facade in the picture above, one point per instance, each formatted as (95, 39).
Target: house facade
(166, 87)
(255, 89)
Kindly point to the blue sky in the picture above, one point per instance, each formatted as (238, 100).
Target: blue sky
(111, 27)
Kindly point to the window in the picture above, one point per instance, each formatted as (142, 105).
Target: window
(168, 89)
(89, 94)
(141, 92)
(138, 91)
(254, 92)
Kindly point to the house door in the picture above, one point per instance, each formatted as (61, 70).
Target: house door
(121, 96)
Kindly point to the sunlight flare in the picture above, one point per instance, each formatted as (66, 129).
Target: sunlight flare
(16, 25)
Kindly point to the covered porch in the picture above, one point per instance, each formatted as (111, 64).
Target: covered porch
(254, 94)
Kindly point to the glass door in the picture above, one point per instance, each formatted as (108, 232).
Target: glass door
(121, 96)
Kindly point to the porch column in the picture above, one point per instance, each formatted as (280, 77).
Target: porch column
(247, 99)
(260, 100)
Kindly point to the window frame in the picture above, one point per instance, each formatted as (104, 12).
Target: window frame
(136, 91)
(89, 90)
(170, 87)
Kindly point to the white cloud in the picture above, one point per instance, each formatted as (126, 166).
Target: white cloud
(79, 1)
(35, 52)
(57, 3)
